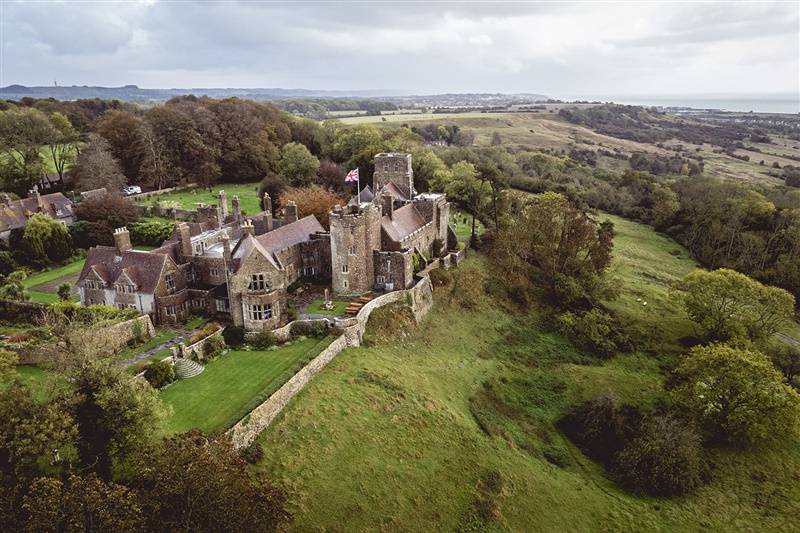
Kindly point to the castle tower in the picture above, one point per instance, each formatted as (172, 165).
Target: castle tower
(355, 234)
(394, 168)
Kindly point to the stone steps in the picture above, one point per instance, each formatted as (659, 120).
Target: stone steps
(186, 368)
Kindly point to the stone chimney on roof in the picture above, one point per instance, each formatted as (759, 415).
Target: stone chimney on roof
(247, 228)
(267, 202)
(237, 211)
(185, 236)
(226, 249)
(267, 221)
(291, 212)
(387, 205)
(223, 203)
(122, 240)
(34, 193)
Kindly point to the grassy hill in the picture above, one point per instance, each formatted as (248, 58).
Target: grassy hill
(451, 427)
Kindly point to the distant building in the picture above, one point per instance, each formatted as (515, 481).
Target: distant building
(14, 214)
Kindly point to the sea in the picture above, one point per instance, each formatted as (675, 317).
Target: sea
(757, 103)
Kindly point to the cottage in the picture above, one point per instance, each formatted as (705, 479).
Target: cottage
(14, 214)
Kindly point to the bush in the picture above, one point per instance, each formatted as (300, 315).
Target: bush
(594, 331)
(440, 277)
(207, 330)
(437, 247)
(316, 329)
(213, 347)
(159, 374)
(666, 459)
(469, 286)
(264, 340)
(253, 453)
(151, 232)
(233, 335)
(64, 291)
(601, 427)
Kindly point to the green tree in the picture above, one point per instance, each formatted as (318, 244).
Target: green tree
(13, 289)
(64, 291)
(63, 144)
(47, 238)
(737, 395)
(463, 185)
(727, 304)
(298, 165)
(23, 132)
(97, 167)
(786, 358)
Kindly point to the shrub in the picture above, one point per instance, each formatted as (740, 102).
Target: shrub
(291, 312)
(159, 374)
(264, 340)
(594, 331)
(737, 395)
(151, 232)
(207, 330)
(440, 277)
(64, 291)
(437, 247)
(213, 347)
(316, 329)
(601, 427)
(469, 286)
(666, 459)
(233, 335)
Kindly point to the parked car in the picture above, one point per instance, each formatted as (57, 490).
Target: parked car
(132, 189)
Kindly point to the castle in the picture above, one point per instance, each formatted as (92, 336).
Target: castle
(241, 268)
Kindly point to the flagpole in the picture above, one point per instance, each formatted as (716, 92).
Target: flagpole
(358, 187)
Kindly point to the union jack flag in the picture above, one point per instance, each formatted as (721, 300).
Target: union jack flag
(351, 176)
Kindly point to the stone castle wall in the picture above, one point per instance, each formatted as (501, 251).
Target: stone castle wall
(354, 236)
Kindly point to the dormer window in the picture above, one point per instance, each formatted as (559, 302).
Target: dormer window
(258, 282)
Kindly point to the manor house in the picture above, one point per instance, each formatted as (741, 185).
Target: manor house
(241, 268)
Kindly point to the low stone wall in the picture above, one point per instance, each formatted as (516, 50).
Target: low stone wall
(419, 298)
(198, 347)
(284, 333)
(124, 332)
(143, 195)
(247, 429)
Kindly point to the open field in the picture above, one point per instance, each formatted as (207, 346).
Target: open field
(215, 399)
(400, 435)
(247, 192)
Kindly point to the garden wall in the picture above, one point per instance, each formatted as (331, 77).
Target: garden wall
(419, 298)
(143, 195)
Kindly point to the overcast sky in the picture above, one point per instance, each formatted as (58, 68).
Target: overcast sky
(415, 47)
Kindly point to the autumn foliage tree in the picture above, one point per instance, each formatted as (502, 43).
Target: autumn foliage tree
(313, 201)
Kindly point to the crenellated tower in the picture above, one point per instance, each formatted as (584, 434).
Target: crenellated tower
(355, 235)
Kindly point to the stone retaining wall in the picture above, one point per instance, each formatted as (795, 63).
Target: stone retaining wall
(419, 298)
(143, 195)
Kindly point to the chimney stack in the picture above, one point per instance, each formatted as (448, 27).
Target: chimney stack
(267, 221)
(247, 229)
(267, 202)
(226, 249)
(122, 240)
(185, 237)
(223, 204)
(237, 212)
(387, 204)
(291, 212)
(34, 193)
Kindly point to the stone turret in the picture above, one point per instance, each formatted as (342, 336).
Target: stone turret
(122, 240)
(394, 168)
(355, 235)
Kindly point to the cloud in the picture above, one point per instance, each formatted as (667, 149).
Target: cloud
(421, 47)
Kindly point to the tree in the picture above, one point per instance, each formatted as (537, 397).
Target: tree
(97, 168)
(298, 165)
(155, 170)
(81, 504)
(195, 482)
(63, 143)
(727, 304)
(551, 245)
(331, 176)
(115, 414)
(122, 130)
(464, 186)
(737, 395)
(99, 215)
(48, 239)
(313, 201)
(23, 132)
(274, 185)
(13, 288)
(786, 358)
(64, 291)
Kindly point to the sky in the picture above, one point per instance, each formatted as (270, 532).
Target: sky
(557, 49)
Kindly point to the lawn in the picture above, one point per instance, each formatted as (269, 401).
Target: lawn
(43, 383)
(247, 192)
(228, 386)
(315, 307)
(462, 222)
(42, 286)
(399, 435)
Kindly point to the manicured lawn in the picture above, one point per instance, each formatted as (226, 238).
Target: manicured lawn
(46, 276)
(218, 397)
(161, 336)
(247, 192)
(316, 307)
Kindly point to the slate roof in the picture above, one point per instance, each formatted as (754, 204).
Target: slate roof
(366, 196)
(392, 189)
(143, 268)
(404, 222)
(15, 214)
(278, 239)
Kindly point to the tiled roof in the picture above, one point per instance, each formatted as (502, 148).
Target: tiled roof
(15, 214)
(392, 189)
(404, 222)
(278, 239)
(366, 196)
(143, 268)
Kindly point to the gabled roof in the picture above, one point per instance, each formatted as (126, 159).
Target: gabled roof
(14, 214)
(403, 222)
(276, 240)
(392, 189)
(142, 268)
(366, 196)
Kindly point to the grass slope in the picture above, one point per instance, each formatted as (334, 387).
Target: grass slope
(229, 383)
(398, 436)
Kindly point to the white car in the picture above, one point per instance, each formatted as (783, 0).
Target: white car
(132, 189)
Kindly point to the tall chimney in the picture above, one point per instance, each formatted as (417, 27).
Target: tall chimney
(122, 240)
(34, 193)
(267, 221)
(267, 202)
(291, 212)
(226, 249)
(223, 204)
(185, 237)
(237, 212)
(247, 228)
(387, 205)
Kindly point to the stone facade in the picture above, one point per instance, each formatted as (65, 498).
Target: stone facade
(394, 168)
(355, 235)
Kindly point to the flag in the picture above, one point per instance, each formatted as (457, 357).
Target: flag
(351, 176)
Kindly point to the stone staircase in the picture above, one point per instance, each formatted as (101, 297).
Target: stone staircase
(355, 307)
(186, 368)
